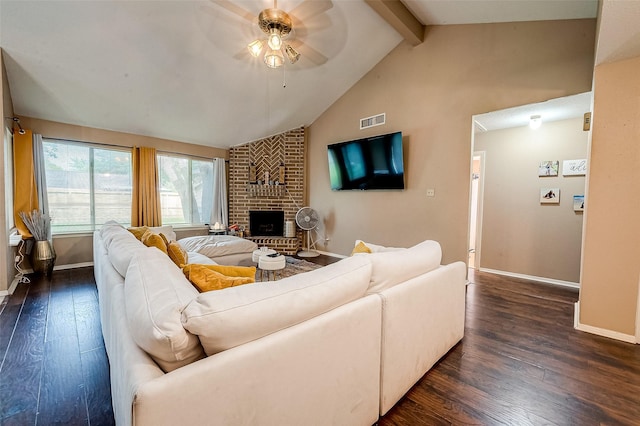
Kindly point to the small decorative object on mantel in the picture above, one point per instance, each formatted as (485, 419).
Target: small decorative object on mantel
(253, 176)
(43, 256)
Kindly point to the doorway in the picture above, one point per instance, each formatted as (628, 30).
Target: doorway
(475, 214)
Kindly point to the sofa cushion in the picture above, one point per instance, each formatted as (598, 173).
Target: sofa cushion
(233, 316)
(155, 294)
(375, 248)
(121, 245)
(109, 230)
(195, 257)
(218, 245)
(395, 266)
(209, 277)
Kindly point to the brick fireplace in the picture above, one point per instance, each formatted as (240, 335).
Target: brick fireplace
(280, 161)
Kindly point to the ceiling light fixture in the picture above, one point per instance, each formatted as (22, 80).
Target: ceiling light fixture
(535, 121)
(273, 58)
(277, 25)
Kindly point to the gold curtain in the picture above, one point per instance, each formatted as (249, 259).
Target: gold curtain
(25, 196)
(145, 205)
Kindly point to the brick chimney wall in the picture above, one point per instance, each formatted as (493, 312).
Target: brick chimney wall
(267, 155)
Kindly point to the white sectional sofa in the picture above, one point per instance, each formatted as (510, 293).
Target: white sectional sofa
(336, 346)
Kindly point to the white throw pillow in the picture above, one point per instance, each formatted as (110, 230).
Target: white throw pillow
(167, 230)
(155, 294)
(227, 318)
(393, 267)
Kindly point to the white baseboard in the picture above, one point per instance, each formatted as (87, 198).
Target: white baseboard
(72, 266)
(532, 278)
(10, 290)
(63, 267)
(628, 338)
(327, 253)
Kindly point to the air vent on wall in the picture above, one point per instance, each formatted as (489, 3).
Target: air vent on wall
(372, 121)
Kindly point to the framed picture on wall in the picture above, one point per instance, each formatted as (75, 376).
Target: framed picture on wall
(578, 203)
(548, 168)
(574, 167)
(549, 195)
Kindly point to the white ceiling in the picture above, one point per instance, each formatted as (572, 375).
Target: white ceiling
(552, 110)
(177, 69)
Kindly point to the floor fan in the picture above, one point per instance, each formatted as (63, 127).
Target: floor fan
(307, 219)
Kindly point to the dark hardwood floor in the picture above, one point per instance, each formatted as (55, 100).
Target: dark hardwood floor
(520, 362)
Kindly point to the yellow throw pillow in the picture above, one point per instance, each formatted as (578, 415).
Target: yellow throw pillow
(138, 231)
(150, 239)
(360, 248)
(177, 253)
(206, 279)
(234, 271)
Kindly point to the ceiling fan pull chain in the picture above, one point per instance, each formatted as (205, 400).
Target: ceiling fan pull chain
(284, 76)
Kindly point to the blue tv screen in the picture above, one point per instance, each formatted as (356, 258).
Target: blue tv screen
(369, 163)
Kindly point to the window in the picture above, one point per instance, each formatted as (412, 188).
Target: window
(87, 185)
(186, 190)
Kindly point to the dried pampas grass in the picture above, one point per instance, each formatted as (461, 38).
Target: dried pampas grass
(37, 223)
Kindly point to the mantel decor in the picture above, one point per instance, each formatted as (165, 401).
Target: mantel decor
(43, 256)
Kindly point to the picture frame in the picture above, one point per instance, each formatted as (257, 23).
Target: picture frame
(549, 195)
(574, 167)
(548, 168)
(578, 203)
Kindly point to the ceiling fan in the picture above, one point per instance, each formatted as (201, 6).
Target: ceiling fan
(277, 26)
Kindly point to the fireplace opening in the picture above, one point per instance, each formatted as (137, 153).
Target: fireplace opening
(266, 223)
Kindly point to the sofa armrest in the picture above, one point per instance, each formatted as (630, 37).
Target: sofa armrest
(422, 319)
(322, 371)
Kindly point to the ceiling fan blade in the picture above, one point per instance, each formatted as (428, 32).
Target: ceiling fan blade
(309, 8)
(309, 52)
(235, 9)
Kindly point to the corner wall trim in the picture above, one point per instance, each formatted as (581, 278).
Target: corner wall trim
(628, 338)
(532, 278)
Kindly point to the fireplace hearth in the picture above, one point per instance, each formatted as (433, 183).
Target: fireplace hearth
(266, 223)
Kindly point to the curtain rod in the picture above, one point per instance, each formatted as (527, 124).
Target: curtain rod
(128, 147)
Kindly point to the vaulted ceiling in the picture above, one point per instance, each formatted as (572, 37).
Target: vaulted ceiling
(179, 69)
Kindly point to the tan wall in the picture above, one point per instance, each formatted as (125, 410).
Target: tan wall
(611, 263)
(78, 249)
(430, 92)
(7, 254)
(519, 234)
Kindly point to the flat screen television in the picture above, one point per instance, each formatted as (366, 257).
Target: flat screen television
(369, 163)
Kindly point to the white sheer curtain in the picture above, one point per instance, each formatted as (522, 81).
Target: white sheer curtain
(219, 212)
(40, 176)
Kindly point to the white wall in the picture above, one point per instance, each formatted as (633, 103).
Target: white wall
(519, 234)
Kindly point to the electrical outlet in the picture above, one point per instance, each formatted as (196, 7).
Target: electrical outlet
(431, 192)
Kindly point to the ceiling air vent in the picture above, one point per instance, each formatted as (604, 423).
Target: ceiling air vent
(372, 121)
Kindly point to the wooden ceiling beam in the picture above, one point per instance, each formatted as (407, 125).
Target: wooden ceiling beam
(400, 18)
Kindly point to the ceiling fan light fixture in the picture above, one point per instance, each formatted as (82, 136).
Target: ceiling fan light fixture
(273, 58)
(292, 53)
(275, 39)
(255, 47)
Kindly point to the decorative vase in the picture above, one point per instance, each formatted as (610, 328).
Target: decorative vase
(43, 257)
